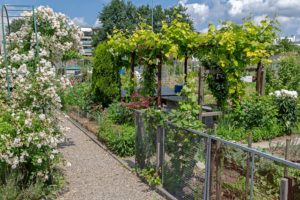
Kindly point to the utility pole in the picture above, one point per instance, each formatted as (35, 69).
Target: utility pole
(152, 16)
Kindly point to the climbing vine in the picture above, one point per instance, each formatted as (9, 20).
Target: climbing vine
(231, 49)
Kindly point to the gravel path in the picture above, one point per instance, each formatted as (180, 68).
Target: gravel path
(95, 175)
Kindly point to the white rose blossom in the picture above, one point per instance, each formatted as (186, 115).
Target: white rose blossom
(33, 87)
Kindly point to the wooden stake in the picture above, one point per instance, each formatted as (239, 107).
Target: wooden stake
(160, 62)
(286, 155)
(258, 77)
(200, 89)
(185, 67)
(284, 189)
(219, 160)
(248, 167)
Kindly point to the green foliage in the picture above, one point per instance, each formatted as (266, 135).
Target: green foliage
(287, 112)
(187, 115)
(125, 16)
(285, 45)
(234, 47)
(71, 54)
(128, 84)
(284, 75)
(182, 146)
(16, 25)
(217, 83)
(150, 176)
(120, 114)
(13, 188)
(257, 111)
(149, 82)
(105, 78)
(77, 96)
(118, 138)
(256, 116)
(118, 14)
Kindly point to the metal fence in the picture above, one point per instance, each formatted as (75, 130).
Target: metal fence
(196, 165)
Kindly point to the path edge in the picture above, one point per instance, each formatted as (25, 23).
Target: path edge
(159, 189)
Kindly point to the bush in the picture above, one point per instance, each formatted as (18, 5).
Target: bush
(120, 114)
(284, 75)
(257, 116)
(286, 102)
(77, 95)
(105, 79)
(258, 111)
(118, 138)
(14, 189)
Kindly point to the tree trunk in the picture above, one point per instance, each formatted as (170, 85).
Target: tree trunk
(159, 79)
(185, 67)
(132, 64)
(258, 77)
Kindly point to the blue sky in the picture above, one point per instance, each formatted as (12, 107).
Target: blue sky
(84, 12)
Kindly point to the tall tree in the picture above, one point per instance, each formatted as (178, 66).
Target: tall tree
(126, 17)
(119, 15)
(172, 13)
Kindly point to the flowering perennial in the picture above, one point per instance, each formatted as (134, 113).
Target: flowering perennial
(29, 133)
(287, 93)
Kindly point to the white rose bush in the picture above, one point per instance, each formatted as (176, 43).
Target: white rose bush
(286, 102)
(29, 132)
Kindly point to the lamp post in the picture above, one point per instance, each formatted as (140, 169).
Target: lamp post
(152, 16)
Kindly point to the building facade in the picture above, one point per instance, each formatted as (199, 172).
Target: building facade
(86, 41)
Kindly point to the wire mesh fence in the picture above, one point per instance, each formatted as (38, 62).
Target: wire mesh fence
(194, 165)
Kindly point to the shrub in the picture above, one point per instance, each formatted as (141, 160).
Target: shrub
(150, 176)
(286, 75)
(120, 114)
(118, 138)
(257, 116)
(286, 102)
(105, 78)
(77, 95)
(13, 188)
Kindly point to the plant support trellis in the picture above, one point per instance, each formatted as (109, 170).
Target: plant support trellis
(11, 14)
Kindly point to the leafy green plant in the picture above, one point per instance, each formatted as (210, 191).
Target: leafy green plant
(13, 187)
(128, 84)
(105, 77)
(284, 75)
(286, 102)
(77, 95)
(219, 86)
(257, 111)
(150, 176)
(120, 114)
(187, 114)
(149, 80)
(256, 116)
(118, 138)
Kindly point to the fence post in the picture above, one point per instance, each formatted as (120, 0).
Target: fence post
(201, 88)
(248, 167)
(284, 189)
(219, 160)
(258, 77)
(139, 150)
(160, 135)
(286, 155)
(263, 81)
(207, 169)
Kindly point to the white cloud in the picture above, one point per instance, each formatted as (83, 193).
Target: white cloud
(198, 12)
(97, 24)
(205, 30)
(298, 31)
(80, 21)
(257, 19)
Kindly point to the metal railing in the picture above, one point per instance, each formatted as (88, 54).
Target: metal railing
(196, 165)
